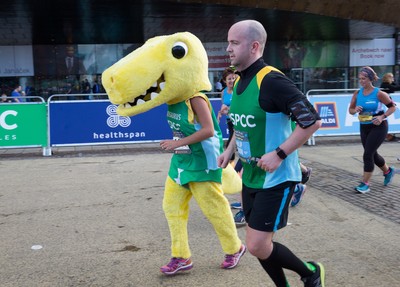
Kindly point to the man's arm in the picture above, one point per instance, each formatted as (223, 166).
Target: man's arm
(299, 137)
(271, 161)
(293, 103)
(224, 158)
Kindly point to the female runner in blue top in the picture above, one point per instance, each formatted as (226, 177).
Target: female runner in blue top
(368, 102)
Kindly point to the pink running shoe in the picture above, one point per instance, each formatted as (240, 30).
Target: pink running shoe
(177, 264)
(231, 260)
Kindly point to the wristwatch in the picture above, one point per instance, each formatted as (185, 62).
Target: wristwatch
(281, 153)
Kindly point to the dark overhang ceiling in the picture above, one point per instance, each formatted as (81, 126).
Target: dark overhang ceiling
(128, 21)
(383, 11)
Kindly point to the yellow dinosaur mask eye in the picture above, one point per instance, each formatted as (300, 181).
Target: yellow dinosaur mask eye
(166, 69)
(179, 50)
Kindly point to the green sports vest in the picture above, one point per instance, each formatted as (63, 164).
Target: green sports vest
(257, 133)
(198, 161)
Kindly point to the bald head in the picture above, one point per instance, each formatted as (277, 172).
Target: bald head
(246, 43)
(253, 30)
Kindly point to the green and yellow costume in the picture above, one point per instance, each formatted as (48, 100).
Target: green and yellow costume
(173, 69)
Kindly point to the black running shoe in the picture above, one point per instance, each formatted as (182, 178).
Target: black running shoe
(317, 279)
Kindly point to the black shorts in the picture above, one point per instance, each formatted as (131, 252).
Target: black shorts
(267, 209)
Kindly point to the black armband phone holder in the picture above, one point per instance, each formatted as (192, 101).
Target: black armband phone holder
(391, 104)
(303, 113)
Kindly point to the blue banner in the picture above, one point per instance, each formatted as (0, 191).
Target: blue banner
(96, 122)
(336, 120)
(93, 122)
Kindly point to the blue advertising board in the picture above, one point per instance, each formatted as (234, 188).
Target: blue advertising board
(336, 120)
(96, 122)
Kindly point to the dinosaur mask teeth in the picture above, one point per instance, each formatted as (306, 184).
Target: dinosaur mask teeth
(149, 95)
(153, 95)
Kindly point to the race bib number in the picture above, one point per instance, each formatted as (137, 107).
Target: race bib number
(243, 145)
(177, 135)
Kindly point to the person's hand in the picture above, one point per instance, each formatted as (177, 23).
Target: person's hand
(224, 110)
(219, 116)
(223, 159)
(377, 120)
(269, 162)
(169, 144)
(358, 109)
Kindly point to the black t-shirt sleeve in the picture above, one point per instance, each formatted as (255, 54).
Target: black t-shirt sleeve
(278, 93)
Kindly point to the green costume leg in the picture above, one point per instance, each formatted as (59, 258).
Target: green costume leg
(215, 206)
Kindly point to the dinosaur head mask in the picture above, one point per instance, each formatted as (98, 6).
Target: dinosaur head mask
(166, 69)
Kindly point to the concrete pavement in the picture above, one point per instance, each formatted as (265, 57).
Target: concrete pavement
(96, 214)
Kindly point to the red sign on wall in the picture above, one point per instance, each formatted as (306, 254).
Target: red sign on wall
(218, 58)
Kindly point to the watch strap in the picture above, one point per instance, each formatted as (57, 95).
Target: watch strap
(281, 153)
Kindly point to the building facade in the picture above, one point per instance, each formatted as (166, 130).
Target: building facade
(58, 47)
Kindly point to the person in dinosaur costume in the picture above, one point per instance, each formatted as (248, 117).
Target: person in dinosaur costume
(173, 69)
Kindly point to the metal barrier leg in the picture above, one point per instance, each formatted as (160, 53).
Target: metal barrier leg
(47, 151)
(311, 141)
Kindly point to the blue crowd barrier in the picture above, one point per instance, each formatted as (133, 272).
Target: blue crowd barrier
(87, 119)
(95, 122)
(333, 105)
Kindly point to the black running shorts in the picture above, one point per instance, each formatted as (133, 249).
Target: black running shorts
(267, 209)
